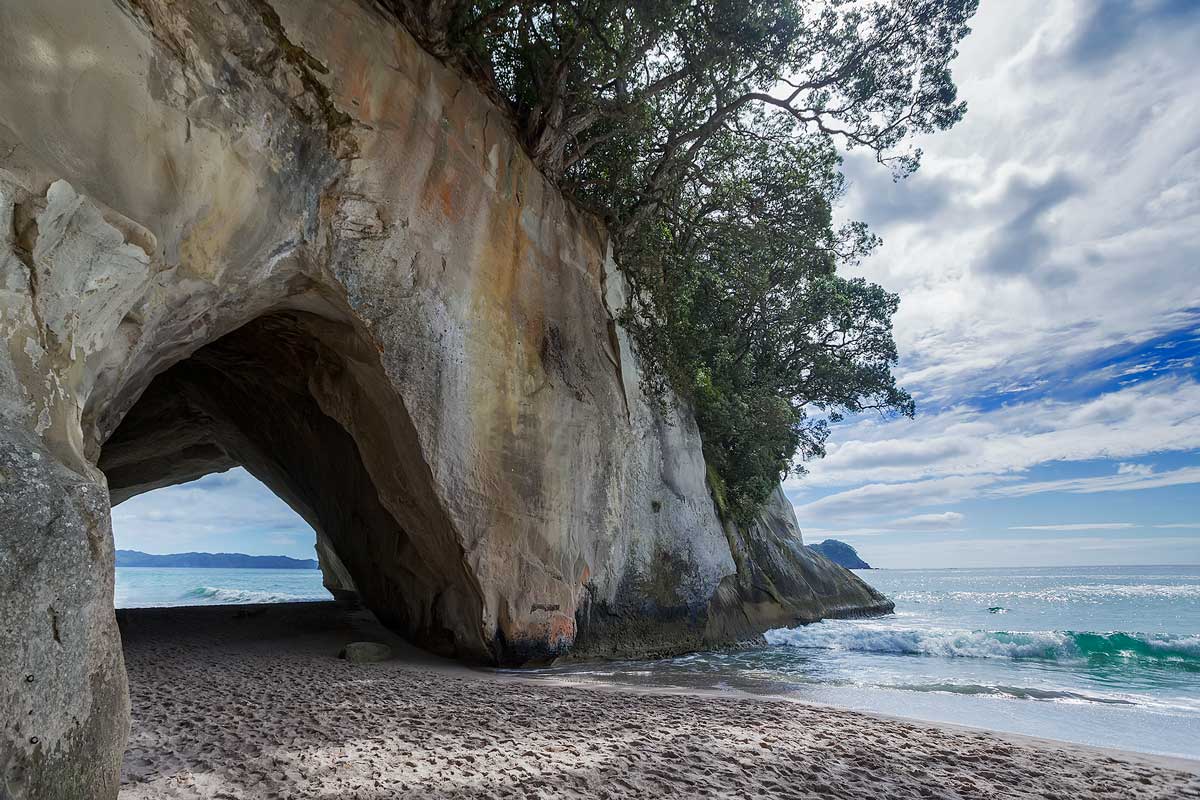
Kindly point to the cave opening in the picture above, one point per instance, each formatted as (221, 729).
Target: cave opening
(300, 401)
(223, 539)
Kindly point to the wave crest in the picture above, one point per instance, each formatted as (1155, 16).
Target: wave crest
(221, 595)
(1064, 646)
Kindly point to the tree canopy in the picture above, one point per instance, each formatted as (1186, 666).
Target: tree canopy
(706, 133)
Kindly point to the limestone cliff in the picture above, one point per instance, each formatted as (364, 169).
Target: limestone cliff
(283, 236)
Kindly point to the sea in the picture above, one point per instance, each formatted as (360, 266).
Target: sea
(140, 587)
(1106, 656)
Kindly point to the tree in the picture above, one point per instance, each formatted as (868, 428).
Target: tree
(743, 310)
(704, 132)
(619, 99)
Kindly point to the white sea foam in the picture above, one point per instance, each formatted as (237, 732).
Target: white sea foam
(220, 595)
(867, 637)
(875, 638)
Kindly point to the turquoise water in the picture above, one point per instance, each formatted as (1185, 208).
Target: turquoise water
(1107, 656)
(139, 587)
(1099, 655)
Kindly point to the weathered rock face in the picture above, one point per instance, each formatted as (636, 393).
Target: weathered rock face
(281, 235)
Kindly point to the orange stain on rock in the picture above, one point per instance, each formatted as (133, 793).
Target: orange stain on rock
(561, 629)
(448, 207)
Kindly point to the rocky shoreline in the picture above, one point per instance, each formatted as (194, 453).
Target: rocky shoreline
(254, 703)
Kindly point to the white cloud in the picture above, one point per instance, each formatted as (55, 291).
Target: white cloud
(1078, 526)
(899, 452)
(1056, 227)
(1121, 482)
(1157, 416)
(891, 498)
(944, 522)
(226, 507)
(947, 520)
(1061, 217)
(878, 499)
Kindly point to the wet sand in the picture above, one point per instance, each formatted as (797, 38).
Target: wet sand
(252, 702)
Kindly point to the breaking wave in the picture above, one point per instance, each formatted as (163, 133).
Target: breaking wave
(217, 595)
(1169, 650)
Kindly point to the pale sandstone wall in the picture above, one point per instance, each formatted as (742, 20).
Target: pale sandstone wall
(282, 235)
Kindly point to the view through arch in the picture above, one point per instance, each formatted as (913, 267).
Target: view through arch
(224, 538)
(292, 397)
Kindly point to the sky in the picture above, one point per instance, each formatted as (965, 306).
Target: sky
(225, 512)
(1047, 255)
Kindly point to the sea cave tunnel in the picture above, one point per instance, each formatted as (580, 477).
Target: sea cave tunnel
(301, 401)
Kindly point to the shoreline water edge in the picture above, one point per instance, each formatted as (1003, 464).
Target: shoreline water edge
(254, 703)
(1106, 657)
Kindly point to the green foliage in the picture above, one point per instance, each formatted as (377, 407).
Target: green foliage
(618, 99)
(716, 487)
(743, 310)
(705, 132)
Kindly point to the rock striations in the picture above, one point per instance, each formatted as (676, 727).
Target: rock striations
(283, 236)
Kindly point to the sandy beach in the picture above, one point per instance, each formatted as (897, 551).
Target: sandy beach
(253, 702)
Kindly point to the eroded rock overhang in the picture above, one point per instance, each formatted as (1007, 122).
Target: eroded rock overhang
(284, 236)
(179, 176)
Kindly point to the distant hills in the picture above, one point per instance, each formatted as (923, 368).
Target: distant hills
(840, 553)
(135, 558)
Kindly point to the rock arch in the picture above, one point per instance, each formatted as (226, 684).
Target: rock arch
(289, 396)
(285, 236)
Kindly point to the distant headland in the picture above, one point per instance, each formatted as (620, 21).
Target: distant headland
(135, 558)
(840, 553)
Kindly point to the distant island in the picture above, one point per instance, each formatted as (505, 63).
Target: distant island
(135, 558)
(840, 553)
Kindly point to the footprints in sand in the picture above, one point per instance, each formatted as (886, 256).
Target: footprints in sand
(262, 709)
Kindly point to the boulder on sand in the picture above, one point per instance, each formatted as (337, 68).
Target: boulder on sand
(365, 652)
